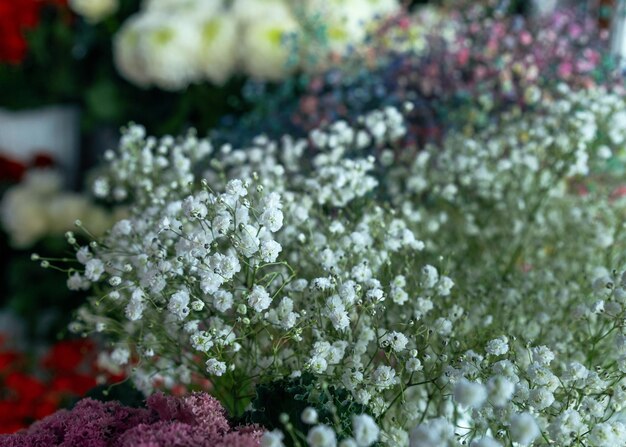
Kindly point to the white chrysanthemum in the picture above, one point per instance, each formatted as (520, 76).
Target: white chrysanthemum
(126, 54)
(266, 47)
(250, 11)
(159, 48)
(218, 53)
(94, 11)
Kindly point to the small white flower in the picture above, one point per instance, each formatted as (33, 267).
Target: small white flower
(272, 438)
(524, 429)
(469, 394)
(397, 341)
(498, 346)
(322, 436)
(309, 416)
(259, 299)
(120, 356)
(135, 306)
(430, 276)
(94, 269)
(223, 300)
(364, 430)
(178, 304)
(215, 367)
(413, 365)
(269, 250)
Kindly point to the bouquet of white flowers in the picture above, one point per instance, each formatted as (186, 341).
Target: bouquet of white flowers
(174, 43)
(466, 294)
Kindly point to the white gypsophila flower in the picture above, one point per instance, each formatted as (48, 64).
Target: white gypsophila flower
(364, 430)
(259, 299)
(120, 356)
(178, 304)
(272, 438)
(270, 250)
(500, 390)
(94, 11)
(321, 436)
(215, 367)
(469, 394)
(436, 432)
(497, 346)
(362, 225)
(430, 276)
(524, 428)
(94, 269)
(397, 341)
(309, 416)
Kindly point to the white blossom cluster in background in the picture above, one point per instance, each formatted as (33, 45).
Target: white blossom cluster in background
(94, 11)
(39, 207)
(173, 43)
(470, 294)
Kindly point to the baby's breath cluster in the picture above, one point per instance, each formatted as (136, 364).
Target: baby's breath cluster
(468, 294)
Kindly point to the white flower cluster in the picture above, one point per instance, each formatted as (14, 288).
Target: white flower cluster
(460, 294)
(38, 207)
(174, 43)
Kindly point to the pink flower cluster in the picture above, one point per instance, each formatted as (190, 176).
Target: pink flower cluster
(196, 420)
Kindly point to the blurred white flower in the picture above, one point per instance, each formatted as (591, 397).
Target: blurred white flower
(94, 11)
(266, 45)
(347, 21)
(219, 33)
(126, 53)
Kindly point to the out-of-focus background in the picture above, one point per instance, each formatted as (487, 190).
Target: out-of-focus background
(73, 72)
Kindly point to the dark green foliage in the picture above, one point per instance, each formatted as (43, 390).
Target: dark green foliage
(292, 396)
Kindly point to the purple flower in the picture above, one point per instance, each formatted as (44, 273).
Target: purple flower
(197, 420)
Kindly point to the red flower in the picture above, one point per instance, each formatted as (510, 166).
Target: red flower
(10, 170)
(77, 384)
(17, 17)
(24, 387)
(42, 160)
(67, 356)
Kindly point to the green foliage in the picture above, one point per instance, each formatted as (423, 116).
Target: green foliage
(291, 396)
